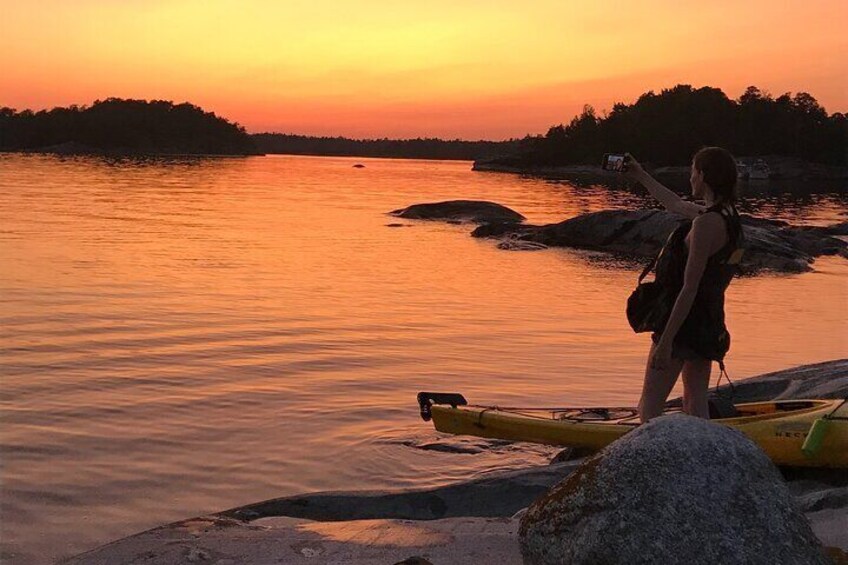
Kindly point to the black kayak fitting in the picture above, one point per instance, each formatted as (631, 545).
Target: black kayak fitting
(427, 399)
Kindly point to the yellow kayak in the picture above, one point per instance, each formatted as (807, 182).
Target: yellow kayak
(780, 428)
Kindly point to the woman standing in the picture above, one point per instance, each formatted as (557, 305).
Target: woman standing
(696, 265)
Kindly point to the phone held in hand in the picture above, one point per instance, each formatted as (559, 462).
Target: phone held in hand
(615, 162)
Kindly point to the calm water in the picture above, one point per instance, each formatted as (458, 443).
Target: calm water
(181, 337)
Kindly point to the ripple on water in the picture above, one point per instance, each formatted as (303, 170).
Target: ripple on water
(178, 337)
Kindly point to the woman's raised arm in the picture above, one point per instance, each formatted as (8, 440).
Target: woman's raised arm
(670, 200)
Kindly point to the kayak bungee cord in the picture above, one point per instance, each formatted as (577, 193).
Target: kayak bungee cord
(723, 371)
(577, 413)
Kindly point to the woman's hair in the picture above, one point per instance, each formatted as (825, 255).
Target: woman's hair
(719, 168)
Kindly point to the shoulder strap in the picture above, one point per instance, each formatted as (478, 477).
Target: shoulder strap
(737, 237)
(733, 249)
(650, 266)
(656, 258)
(733, 223)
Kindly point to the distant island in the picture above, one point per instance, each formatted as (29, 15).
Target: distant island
(428, 148)
(121, 126)
(666, 129)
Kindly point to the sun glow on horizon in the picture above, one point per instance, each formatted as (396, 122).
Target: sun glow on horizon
(378, 68)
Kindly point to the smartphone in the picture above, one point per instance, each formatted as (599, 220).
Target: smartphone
(614, 162)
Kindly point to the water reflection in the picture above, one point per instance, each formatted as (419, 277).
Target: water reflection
(182, 335)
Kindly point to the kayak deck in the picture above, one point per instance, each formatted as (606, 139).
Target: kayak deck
(778, 427)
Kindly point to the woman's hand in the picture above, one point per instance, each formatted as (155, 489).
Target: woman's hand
(661, 357)
(633, 169)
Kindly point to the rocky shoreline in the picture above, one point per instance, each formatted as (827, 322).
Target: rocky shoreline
(474, 521)
(770, 245)
(783, 168)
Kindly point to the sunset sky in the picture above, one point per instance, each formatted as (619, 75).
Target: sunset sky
(466, 69)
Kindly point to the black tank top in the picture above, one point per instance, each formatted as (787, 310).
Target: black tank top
(704, 329)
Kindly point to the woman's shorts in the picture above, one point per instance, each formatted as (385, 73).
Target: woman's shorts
(679, 350)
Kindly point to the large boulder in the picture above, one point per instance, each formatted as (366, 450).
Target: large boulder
(676, 490)
(478, 211)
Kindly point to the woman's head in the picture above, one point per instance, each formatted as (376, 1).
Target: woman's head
(716, 168)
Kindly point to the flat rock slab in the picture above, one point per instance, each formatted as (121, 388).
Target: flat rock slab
(491, 496)
(217, 541)
(830, 526)
(819, 380)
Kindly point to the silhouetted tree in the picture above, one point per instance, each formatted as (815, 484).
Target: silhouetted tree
(669, 127)
(665, 129)
(117, 125)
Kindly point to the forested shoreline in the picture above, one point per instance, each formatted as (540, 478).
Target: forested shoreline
(663, 129)
(426, 148)
(666, 129)
(122, 126)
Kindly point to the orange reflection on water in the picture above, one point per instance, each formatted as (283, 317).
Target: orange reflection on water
(220, 331)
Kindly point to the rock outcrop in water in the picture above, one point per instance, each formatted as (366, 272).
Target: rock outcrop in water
(476, 211)
(770, 245)
(676, 490)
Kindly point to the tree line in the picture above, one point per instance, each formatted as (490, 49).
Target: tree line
(118, 125)
(663, 129)
(428, 148)
(669, 127)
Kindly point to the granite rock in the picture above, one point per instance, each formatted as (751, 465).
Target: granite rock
(477, 211)
(677, 490)
(769, 246)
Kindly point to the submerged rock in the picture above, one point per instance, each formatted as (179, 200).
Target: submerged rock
(572, 454)
(451, 447)
(488, 496)
(414, 560)
(476, 211)
(676, 490)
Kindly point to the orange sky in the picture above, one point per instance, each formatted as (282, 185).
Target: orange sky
(471, 69)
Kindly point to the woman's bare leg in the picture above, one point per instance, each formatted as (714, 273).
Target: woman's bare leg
(657, 386)
(696, 384)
